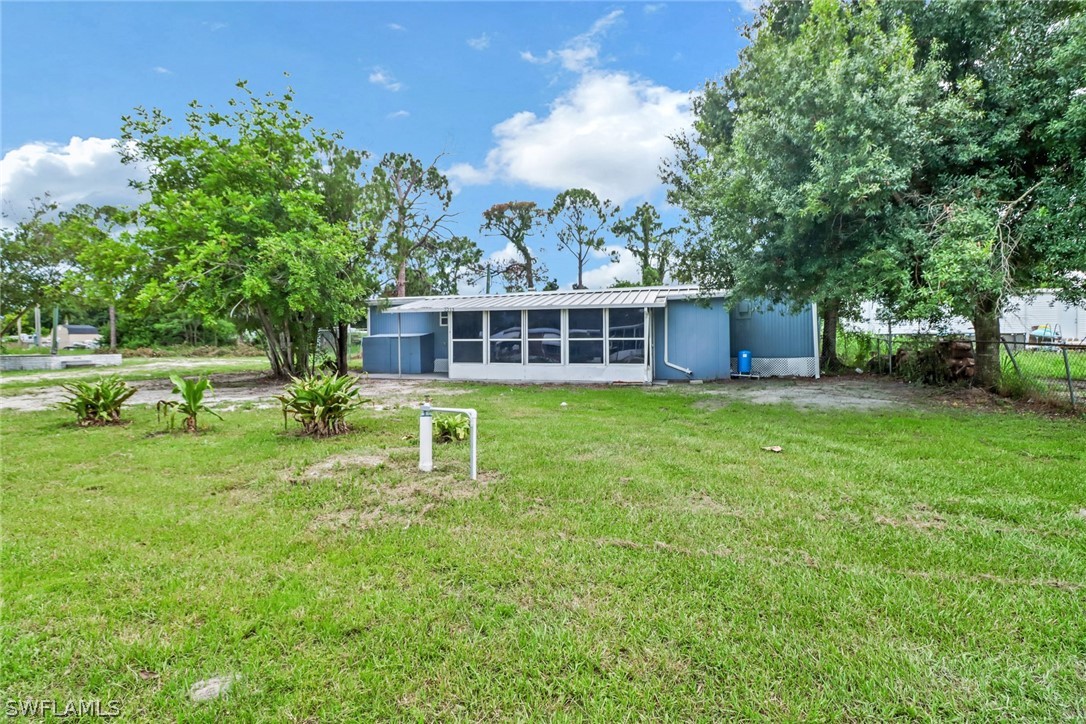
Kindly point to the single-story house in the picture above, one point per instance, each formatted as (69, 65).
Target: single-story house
(76, 335)
(640, 334)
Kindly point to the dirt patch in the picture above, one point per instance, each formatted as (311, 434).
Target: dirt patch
(833, 393)
(331, 466)
(401, 504)
(912, 521)
(231, 391)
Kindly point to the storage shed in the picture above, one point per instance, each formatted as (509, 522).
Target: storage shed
(615, 335)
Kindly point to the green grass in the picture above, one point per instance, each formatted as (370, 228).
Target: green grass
(635, 553)
(1047, 364)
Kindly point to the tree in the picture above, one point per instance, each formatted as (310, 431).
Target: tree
(516, 222)
(105, 259)
(33, 262)
(999, 200)
(581, 217)
(338, 178)
(801, 154)
(417, 197)
(649, 241)
(238, 223)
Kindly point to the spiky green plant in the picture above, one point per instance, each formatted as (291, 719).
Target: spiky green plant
(98, 402)
(191, 403)
(451, 428)
(321, 403)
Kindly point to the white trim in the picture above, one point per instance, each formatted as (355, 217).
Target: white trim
(549, 373)
(814, 326)
(781, 366)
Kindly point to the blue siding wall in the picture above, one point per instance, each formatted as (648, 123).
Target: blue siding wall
(698, 339)
(379, 354)
(384, 322)
(771, 332)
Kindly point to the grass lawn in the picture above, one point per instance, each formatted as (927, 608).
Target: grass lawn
(132, 370)
(636, 552)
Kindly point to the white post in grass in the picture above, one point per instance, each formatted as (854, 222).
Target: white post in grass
(426, 436)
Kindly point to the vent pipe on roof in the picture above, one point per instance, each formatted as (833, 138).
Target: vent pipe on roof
(666, 360)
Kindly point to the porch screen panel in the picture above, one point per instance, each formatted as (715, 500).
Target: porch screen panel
(467, 337)
(544, 336)
(506, 337)
(626, 335)
(585, 336)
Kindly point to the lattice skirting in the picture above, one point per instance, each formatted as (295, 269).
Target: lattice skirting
(781, 366)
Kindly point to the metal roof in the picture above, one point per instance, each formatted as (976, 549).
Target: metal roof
(565, 299)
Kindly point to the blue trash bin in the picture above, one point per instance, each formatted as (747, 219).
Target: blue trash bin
(744, 361)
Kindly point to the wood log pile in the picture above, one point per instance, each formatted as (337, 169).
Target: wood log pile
(947, 360)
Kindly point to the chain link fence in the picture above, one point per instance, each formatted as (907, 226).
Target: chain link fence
(1047, 371)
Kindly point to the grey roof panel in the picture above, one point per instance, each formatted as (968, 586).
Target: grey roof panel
(631, 297)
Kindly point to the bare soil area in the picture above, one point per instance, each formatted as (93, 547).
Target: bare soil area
(234, 390)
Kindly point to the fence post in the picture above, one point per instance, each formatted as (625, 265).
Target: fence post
(1011, 355)
(1070, 384)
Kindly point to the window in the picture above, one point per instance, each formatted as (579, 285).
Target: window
(544, 336)
(585, 336)
(467, 328)
(443, 319)
(506, 337)
(626, 335)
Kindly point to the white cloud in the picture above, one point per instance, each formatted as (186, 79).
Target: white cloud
(397, 27)
(480, 43)
(85, 170)
(625, 269)
(751, 6)
(652, 8)
(214, 26)
(397, 115)
(506, 254)
(581, 52)
(608, 134)
(380, 76)
(161, 70)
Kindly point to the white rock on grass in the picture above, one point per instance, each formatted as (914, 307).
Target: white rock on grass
(212, 688)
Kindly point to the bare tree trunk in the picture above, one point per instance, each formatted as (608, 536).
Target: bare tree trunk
(986, 330)
(831, 310)
(112, 328)
(401, 279)
(342, 342)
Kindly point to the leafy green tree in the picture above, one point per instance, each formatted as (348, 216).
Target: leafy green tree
(517, 222)
(999, 200)
(649, 241)
(106, 261)
(801, 153)
(581, 217)
(34, 259)
(417, 198)
(239, 225)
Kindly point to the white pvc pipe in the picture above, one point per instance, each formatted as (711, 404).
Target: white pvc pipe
(817, 356)
(666, 360)
(426, 436)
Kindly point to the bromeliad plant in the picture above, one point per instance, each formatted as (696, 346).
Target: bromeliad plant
(191, 403)
(451, 428)
(321, 403)
(97, 403)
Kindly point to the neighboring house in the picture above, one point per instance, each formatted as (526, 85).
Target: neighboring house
(76, 335)
(613, 335)
(1022, 315)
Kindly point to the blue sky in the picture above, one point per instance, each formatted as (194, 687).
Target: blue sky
(523, 99)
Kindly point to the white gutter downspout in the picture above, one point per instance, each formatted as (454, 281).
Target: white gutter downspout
(399, 344)
(666, 360)
(814, 326)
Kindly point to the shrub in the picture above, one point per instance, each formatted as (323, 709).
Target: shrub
(191, 403)
(451, 428)
(321, 403)
(97, 403)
